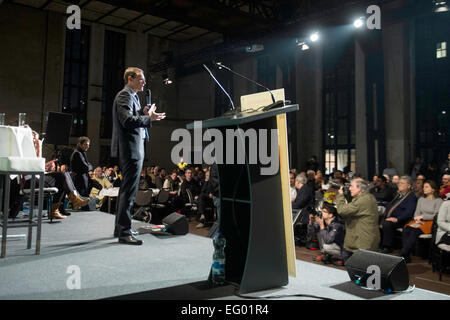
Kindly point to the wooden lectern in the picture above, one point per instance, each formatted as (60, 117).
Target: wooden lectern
(256, 214)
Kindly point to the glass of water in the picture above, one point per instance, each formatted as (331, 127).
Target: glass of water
(22, 119)
(2, 119)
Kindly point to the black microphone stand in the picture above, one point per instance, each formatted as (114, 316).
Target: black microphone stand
(275, 103)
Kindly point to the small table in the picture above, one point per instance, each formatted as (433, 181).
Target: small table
(18, 157)
(5, 177)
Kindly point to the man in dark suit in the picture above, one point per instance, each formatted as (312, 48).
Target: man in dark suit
(80, 166)
(130, 124)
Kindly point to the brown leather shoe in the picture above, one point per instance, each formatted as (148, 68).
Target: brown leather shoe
(54, 213)
(76, 201)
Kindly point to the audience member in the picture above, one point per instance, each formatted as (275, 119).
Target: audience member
(398, 212)
(360, 217)
(444, 190)
(330, 232)
(172, 183)
(427, 207)
(312, 164)
(160, 178)
(205, 200)
(100, 182)
(390, 170)
(80, 166)
(445, 168)
(304, 199)
(443, 223)
(416, 168)
(432, 172)
(191, 184)
(293, 190)
(418, 187)
(382, 191)
(395, 180)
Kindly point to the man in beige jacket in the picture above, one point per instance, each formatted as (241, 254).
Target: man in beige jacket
(360, 217)
(104, 182)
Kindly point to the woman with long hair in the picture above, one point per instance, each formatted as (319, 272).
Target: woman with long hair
(427, 207)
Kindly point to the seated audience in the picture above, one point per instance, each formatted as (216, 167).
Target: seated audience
(445, 168)
(188, 183)
(160, 178)
(293, 191)
(444, 190)
(330, 232)
(395, 180)
(62, 181)
(304, 198)
(205, 200)
(390, 170)
(173, 183)
(360, 217)
(398, 212)
(382, 191)
(100, 182)
(443, 223)
(418, 187)
(427, 207)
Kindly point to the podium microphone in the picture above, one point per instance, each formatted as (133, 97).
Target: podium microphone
(275, 103)
(232, 110)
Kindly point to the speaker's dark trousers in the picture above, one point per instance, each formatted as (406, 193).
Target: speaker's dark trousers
(131, 171)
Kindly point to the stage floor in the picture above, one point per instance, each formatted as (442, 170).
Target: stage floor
(80, 259)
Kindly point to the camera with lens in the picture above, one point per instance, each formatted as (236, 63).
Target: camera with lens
(338, 186)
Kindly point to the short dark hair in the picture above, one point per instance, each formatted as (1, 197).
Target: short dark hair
(330, 208)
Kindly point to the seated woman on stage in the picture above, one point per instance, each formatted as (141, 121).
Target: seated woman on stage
(427, 207)
(62, 181)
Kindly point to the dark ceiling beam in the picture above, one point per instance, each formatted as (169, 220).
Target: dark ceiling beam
(45, 4)
(198, 36)
(208, 15)
(177, 31)
(133, 20)
(107, 14)
(155, 26)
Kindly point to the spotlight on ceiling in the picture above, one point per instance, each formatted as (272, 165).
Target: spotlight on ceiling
(303, 45)
(440, 6)
(166, 80)
(358, 23)
(314, 37)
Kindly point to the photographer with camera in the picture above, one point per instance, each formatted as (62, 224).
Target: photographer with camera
(330, 231)
(360, 217)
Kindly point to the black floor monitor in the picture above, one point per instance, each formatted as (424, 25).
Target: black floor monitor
(58, 128)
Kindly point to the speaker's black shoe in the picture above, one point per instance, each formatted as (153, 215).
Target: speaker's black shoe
(130, 240)
(387, 250)
(117, 233)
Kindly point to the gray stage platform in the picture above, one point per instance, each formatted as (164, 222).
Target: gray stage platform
(174, 267)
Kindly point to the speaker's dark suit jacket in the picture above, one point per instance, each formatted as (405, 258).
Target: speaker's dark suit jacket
(128, 136)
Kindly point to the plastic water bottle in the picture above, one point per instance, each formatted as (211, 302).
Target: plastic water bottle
(26, 207)
(218, 266)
